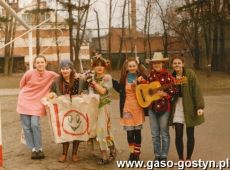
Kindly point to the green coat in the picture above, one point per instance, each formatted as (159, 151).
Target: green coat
(192, 100)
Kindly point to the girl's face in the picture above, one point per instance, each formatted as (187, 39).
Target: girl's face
(177, 65)
(157, 65)
(40, 64)
(132, 67)
(99, 70)
(66, 71)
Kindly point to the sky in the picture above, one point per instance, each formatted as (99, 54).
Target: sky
(102, 6)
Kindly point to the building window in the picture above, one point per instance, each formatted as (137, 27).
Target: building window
(45, 17)
(27, 18)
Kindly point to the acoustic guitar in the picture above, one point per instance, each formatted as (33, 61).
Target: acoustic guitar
(147, 93)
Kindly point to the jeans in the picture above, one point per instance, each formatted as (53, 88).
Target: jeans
(32, 131)
(160, 132)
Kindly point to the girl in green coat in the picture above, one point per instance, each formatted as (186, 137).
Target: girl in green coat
(187, 108)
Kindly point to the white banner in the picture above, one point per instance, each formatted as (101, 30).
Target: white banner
(74, 120)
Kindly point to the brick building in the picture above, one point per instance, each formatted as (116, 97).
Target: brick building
(48, 46)
(154, 44)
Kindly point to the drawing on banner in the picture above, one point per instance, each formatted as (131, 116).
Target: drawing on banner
(73, 119)
(75, 123)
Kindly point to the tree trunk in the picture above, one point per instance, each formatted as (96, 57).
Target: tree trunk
(70, 30)
(8, 31)
(82, 20)
(56, 37)
(215, 59)
(110, 29)
(224, 64)
(165, 35)
(122, 36)
(37, 17)
(145, 28)
(196, 48)
(12, 46)
(98, 31)
(148, 31)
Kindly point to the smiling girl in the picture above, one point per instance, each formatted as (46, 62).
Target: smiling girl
(159, 110)
(132, 115)
(67, 84)
(188, 108)
(34, 85)
(102, 85)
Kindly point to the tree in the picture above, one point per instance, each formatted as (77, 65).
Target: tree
(77, 20)
(37, 14)
(146, 27)
(56, 34)
(98, 30)
(122, 38)
(9, 26)
(165, 27)
(110, 28)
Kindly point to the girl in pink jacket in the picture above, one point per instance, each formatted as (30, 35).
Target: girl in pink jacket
(34, 85)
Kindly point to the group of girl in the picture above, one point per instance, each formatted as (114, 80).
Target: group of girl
(179, 105)
(37, 83)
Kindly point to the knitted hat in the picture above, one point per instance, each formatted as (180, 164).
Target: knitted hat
(66, 63)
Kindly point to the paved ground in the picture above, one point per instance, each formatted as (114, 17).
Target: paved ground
(212, 138)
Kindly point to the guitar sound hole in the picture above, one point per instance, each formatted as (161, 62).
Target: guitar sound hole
(142, 95)
(151, 92)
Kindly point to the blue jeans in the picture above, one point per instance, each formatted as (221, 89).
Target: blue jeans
(32, 130)
(160, 132)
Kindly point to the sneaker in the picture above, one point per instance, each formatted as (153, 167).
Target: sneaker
(103, 161)
(136, 157)
(41, 154)
(163, 159)
(157, 159)
(131, 157)
(34, 155)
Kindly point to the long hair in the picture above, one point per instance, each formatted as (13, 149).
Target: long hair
(180, 57)
(71, 82)
(140, 70)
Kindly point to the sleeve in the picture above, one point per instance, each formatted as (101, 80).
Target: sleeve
(196, 92)
(83, 85)
(116, 85)
(55, 75)
(53, 87)
(25, 79)
(172, 90)
(107, 82)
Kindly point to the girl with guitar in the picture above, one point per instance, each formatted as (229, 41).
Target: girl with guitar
(132, 115)
(188, 108)
(159, 110)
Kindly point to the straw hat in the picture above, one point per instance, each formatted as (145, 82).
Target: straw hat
(158, 56)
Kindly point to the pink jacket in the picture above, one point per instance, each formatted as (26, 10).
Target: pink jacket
(34, 86)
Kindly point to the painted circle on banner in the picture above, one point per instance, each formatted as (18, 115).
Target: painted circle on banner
(75, 123)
